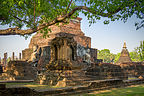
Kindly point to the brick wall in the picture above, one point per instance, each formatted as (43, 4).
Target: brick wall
(71, 28)
(26, 54)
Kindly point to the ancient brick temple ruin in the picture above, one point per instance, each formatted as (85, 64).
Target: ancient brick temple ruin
(132, 69)
(65, 42)
(124, 57)
(64, 54)
(64, 59)
(67, 59)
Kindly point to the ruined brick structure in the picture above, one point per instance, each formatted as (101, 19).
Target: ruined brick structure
(73, 28)
(67, 59)
(125, 57)
(67, 48)
(71, 31)
(19, 70)
(132, 69)
(26, 54)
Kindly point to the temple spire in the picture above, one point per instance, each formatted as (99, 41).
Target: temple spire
(124, 57)
(124, 46)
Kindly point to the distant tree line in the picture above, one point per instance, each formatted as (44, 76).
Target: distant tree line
(137, 55)
(106, 56)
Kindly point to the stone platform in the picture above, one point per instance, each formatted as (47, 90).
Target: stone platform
(93, 86)
(17, 81)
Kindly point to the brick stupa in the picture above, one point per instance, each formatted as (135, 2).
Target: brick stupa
(125, 57)
(72, 28)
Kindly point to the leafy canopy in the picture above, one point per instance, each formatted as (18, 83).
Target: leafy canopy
(39, 14)
(106, 56)
(140, 50)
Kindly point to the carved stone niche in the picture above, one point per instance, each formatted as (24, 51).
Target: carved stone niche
(63, 53)
(63, 48)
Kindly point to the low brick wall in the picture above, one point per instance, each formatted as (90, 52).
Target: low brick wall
(17, 81)
(93, 86)
(22, 91)
(106, 83)
(133, 82)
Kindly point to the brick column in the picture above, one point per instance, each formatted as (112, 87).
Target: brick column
(19, 56)
(5, 59)
(13, 56)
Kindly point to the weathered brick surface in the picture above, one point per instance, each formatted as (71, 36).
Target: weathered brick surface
(106, 71)
(21, 91)
(125, 57)
(19, 70)
(93, 53)
(134, 69)
(71, 28)
(26, 54)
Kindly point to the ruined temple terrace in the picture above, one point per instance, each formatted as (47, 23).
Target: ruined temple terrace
(66, 60)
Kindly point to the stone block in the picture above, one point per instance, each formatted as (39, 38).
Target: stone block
(26, 54)
(19, 70)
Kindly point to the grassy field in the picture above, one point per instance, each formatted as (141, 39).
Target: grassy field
(137, 90)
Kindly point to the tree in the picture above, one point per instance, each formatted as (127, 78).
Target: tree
(117, 56)
(140, 50)
(106, 55)
(135, 56)
(38, 15)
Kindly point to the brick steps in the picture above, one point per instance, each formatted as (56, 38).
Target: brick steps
(80, 78)
(94, 86)
(17, 81)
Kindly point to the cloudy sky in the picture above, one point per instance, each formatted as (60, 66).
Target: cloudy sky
(110, 36)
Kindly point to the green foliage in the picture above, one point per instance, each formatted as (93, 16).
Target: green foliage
(138, 54)
(32, 13)
(140, 50)
(117, 57)
(135, 56)
(106, 55)
(119, 9)
(35, 12)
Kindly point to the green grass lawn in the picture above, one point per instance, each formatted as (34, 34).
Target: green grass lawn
(128, 91)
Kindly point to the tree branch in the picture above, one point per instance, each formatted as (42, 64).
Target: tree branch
(34, 11)
(68, 6)
(16, 31)
(20, 19)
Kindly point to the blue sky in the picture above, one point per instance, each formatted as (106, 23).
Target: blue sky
(111, 36)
